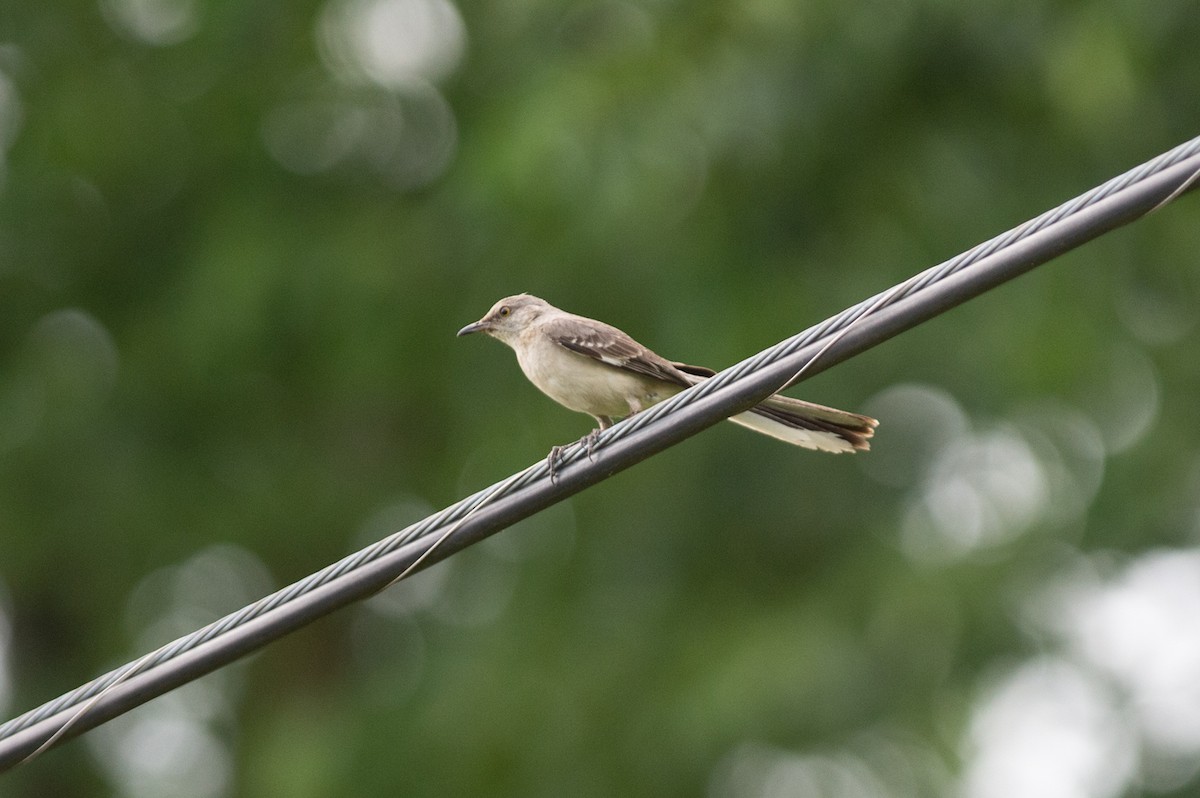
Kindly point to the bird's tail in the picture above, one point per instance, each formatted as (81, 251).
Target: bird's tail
(801, 423)
(811, 426)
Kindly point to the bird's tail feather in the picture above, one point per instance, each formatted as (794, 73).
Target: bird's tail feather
(801, 423)
(809, 425)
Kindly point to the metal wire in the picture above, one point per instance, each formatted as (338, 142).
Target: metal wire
(1116, 202)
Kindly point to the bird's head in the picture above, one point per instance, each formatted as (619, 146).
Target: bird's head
(509, 316)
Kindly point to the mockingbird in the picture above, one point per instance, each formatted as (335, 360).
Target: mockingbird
(592, 367)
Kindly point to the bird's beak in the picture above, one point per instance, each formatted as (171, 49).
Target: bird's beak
(478, 326)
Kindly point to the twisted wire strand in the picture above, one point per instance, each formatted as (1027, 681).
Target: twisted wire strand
(842, 321)
(97, 687)
(445, 522)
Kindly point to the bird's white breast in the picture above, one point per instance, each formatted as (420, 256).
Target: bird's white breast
(583, 384)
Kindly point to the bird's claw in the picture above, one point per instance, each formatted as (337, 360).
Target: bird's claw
(589, 440)
(556, 453)
(552, 461)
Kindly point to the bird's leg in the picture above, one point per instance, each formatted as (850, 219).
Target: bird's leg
(552, 461)
(589, 440)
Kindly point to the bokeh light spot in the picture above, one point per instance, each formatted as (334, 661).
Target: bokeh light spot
(982, 490)
(405, 140)
(392, 42)
(1126, 400)
(154, 22)
(10, 122)
(74, 360)
(171, 602)
(1140, 628)
(875, 765)
(1155, 317)
(974, 489)
(164, 748)
(1047, 730)
(920, 420)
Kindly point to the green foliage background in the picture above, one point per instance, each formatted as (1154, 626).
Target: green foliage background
(231, 269)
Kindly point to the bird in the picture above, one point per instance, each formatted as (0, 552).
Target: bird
(591, 367)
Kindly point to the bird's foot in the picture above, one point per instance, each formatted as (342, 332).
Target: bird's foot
(589, 440)
(556, 453)
(552, 461)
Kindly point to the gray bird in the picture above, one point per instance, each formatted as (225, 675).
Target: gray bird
(592, 367)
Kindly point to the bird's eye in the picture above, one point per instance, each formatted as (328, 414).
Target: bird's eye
(504, 311)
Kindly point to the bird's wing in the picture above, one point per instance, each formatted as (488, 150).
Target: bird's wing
(609, 345)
